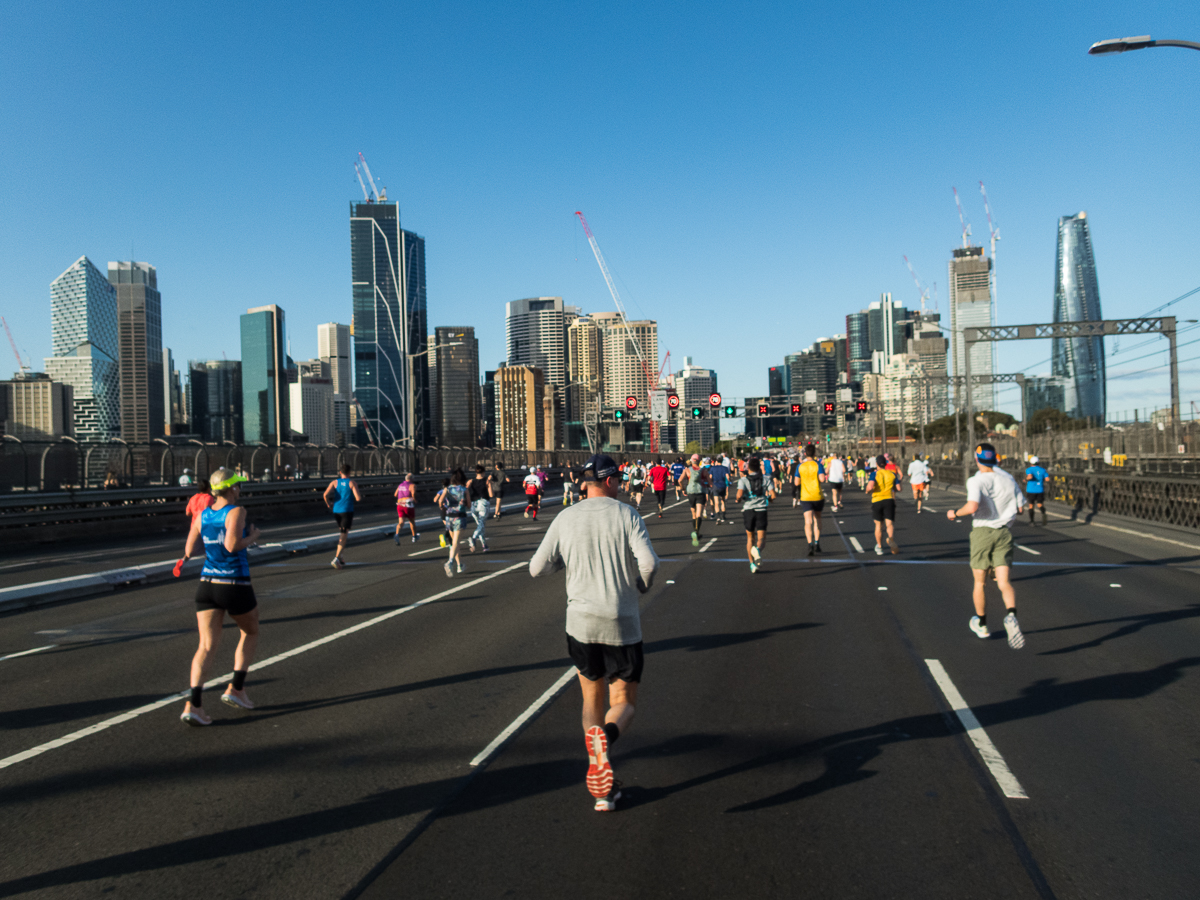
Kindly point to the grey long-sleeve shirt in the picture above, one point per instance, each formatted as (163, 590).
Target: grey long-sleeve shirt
(604, 545)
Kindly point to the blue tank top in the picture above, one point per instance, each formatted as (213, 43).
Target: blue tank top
(219, 562)
(345, 494)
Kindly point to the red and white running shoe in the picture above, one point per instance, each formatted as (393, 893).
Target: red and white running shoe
(600, 772)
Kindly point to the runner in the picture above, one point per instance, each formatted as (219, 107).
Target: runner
(883, 504)
(458, 514)
(343, 509)
(718, 489)
(860, 472)
(809, 476)
(533, 494)
(694, 481)
(993, 501)
(658, 481)
(1035, 488)
(837, 480)
(199, 501)
(478, 493)
(918, 477)
(637, 483)
(754, 492)
(599, 542)
(498, 478)
(677, 470)
(793, 480)
(439, 500)
(224, 588)
(406, 507)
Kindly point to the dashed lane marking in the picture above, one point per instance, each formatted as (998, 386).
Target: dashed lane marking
(27, 652)
(524, 718)
(216, 682)
(1028, 549)
(991, 756)
(858, 548)
(709, 544)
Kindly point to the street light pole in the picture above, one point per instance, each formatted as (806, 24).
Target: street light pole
(1120, 45)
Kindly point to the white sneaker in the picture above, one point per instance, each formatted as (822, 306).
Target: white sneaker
(1016, 640)
(471, 544)
(460, 568)
(980, 630)
(753, 568)
(754, 553)
(446, 568)
(879, 550)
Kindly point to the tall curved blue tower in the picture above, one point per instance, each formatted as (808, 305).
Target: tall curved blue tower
(1077, 299)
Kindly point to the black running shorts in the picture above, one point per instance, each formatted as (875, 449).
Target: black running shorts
(883, 509)
(235, 599)
(344, 520)
(596, 661)
(696, 499)
(755, 519)
(812, 505)
(661, 496)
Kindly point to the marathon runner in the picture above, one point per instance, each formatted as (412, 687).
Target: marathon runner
(881, 487)
(406, 507)
(458, 514)
(677, 470)
(755, 492)
(860, 473)
(993, 501)
(658, 481)
(478, 493)
(809, 475)
(695, 486)
(533, 493)
(497, 478)
(637, 483)
(343, 510)
(836, 476)
(1035, 488)
(224, 588)
(918, 477)
(794, 480)
(599, 543)
(718, 489)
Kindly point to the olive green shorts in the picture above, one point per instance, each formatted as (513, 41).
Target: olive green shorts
(991, 548)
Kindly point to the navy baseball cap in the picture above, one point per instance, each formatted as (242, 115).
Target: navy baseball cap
(986, 454)
(599, 467)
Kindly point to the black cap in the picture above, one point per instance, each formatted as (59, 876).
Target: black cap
(599, 467)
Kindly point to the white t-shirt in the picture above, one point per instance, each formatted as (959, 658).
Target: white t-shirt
(918, 472)
(837, 471)
(999, 499)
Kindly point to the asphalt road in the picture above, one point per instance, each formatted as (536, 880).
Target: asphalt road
(790, 738)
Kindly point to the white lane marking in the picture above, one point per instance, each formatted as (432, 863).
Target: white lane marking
(27, 652)
(1114, 585)
(534, 708)
(1028, 549)
(855, 544)
(991, 756)
(215, 682)
(883, 589)
(430, 550)
(670, 582)
(709, 544)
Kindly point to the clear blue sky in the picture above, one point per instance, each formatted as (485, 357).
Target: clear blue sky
(753, 171)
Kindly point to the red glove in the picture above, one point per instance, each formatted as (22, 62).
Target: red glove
(179, 567)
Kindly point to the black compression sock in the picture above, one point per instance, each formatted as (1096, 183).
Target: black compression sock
(239, 678)
(1011, 609)
(983, 620)
(612, 732)
(197, 700)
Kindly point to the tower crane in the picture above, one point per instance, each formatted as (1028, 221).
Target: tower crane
(966, 227)
(651, 381)
(994, 230)
(379, 195)
(920, 287)
(21, 365)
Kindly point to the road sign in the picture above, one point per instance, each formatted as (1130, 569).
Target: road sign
(714, 399)
(631, 402)
(810, 396)
(845, 395)
(673, 401)
(659, 408)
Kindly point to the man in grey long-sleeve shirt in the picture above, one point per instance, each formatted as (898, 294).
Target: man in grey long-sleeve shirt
(604, 546)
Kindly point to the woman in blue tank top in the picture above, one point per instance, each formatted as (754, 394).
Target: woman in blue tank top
(340, 497)
(224, 588)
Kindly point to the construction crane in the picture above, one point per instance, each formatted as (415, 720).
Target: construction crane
(651, 382)
(379, 195)
(920, 287)
(966, 227)
(21, 365)
(994, 230)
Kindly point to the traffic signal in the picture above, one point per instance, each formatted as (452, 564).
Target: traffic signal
(619, 414)
(697, 412)
(829, 409)
(860, 406)
(631, 402)
(730, 412)
(763, 409)
(795, 409)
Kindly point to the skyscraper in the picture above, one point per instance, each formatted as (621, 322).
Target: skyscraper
(694, 385)
(214, 400)
(387, 273)
(83, 339)
(624, 375)
(1080, 361)
(333, 346)
(265, 394)
(457, 386)
(521, 409)
(139, 331)
(971, 307)
(310, 402)
(535, 333)
(174, 413)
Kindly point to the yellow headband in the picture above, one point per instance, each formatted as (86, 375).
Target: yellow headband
(228, 483)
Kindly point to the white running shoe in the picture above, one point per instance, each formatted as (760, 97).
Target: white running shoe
(460, 567)
(195, 717)
(446, 568)
(980, 630)
(879, 550)
(753, 568)
(754, 553)
(415, 537)
(337, 563)
(471, 544)
(1016, 640)
(609, 803)
(238, 700)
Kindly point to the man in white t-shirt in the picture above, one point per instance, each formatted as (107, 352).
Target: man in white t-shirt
(993, 501)
(918, 477)
(835, 477)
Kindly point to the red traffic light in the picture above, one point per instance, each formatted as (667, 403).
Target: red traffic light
(861, 406)
(795, 409)
(714, 399)
(828, 409)
(762, 409)
(631, 402)
(673, 401)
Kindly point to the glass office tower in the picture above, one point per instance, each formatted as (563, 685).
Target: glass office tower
(139, 328)
(1080, 361)
(265, 414)
(387, 274)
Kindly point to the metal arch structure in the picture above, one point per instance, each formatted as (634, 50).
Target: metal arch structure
(1164, 325)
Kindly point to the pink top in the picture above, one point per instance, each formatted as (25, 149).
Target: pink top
(404, 494)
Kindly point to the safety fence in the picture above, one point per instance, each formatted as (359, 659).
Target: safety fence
(1166, 501)
(71, 465)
